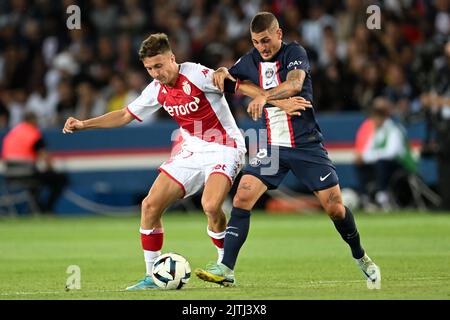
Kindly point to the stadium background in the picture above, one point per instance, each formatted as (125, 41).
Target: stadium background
(57, 72)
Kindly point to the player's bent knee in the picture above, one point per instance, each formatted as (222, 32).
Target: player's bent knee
(243, 200)
(211, 207)
(335, 211)
(150, 208)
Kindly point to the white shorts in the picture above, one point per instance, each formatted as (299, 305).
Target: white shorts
(191, 166)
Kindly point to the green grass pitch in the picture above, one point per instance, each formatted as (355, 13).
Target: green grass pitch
(285, 257)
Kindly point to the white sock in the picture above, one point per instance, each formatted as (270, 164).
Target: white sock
(150, 257)
(220, 252)
(217, 236)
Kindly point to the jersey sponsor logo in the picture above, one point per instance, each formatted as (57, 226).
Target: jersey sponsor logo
(294, 63)
(205, 72)
(183, 109)
(220, 167)
(186, 87)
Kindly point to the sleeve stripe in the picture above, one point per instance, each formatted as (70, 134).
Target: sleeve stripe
(134, 116)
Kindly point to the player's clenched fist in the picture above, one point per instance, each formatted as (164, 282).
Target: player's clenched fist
(72, 125)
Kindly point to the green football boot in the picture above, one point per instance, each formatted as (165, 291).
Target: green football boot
(217, 273)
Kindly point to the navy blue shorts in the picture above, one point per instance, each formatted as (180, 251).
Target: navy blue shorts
(310, 164)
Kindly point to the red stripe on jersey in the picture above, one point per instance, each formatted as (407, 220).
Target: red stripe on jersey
(134, 116)
(260, 76)
(291, 130)
(190, 108)
(269, 138)
(276, 72)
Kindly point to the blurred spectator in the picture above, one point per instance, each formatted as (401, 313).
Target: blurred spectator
(15, 102)
(90, 103)
(437, 104)
(4, 113)
(334, 90)
(398, 91)
(25, 146)
(370, 86)
(350, 63)
(43, 105)
(104, 17)
(383, 152)
(67, 102)
(132, 17)
(312, 28)
(119, 92)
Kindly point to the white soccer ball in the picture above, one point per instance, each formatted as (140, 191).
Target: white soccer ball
(171, 271)
(350, 198)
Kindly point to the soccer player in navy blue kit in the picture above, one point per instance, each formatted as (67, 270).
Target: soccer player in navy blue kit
(276, 70)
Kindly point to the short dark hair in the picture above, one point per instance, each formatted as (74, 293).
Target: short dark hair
(262, 21)
(155, 44)
(381, 108)
(30, 117)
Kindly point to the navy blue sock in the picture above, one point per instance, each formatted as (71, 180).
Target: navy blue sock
(237, 231)
(347, 229)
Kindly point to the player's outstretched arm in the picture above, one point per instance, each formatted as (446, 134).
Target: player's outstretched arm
(111, 119)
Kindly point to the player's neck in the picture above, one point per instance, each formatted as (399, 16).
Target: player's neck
(175, 78)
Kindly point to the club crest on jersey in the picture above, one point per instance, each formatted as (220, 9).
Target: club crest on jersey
(186, 87)
(268, 74)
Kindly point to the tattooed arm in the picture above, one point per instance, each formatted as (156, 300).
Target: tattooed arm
(292, 86)
(289, 88)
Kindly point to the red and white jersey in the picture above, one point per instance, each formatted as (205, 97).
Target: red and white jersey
(195, 104)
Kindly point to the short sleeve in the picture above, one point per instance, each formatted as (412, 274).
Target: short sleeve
(240, 69)
(296, 58)
(147, 103)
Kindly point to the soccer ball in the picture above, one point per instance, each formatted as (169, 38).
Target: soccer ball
(350, 198)
(171, 271)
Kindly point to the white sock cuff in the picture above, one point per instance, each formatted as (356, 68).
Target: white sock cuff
(151, 255)
(216, 235)
(151, 231)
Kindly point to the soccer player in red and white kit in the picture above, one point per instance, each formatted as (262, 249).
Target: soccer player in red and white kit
(213, 150)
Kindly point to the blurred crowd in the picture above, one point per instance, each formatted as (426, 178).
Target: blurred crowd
(47, 68)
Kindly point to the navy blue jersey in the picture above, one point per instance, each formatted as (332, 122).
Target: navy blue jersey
(282, 129)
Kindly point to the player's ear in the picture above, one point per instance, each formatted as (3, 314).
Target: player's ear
(280, 34)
